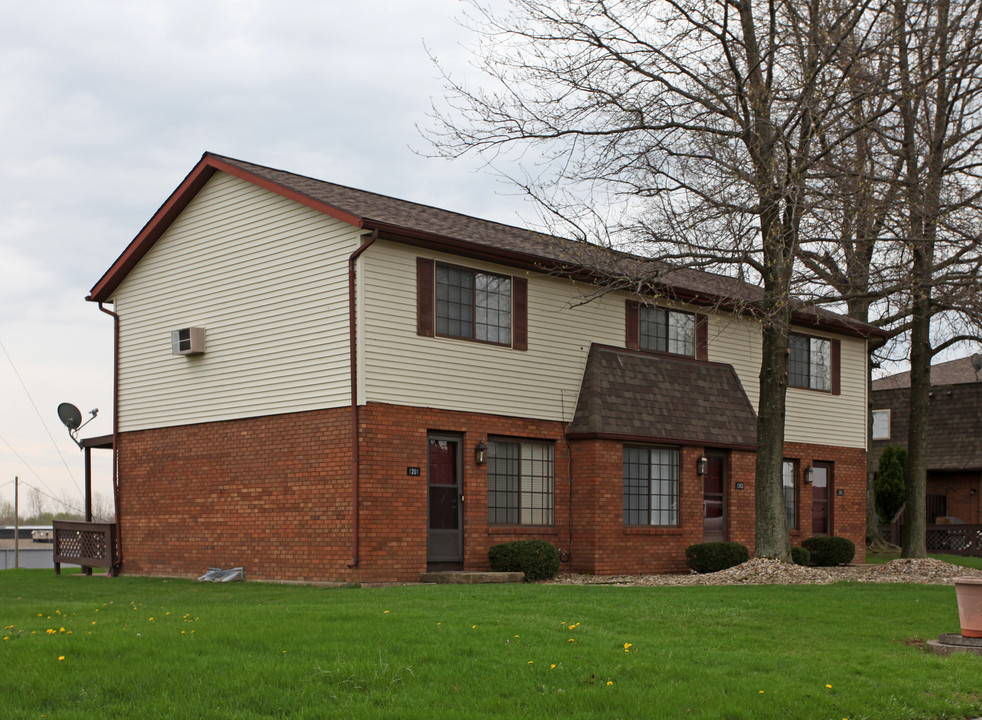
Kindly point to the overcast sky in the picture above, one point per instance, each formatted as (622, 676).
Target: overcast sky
(106, 106)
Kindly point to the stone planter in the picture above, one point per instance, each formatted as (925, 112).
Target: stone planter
(968, 592)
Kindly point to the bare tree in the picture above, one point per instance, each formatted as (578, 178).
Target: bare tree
(699, 120)
(939, 56)
(903, 198)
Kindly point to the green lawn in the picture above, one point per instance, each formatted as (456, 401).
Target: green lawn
(77, 647)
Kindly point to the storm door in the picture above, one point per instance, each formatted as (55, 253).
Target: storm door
(821, 497)
(444, 537)
(713, 485)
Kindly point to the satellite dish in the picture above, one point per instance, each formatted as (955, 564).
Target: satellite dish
(70, 415)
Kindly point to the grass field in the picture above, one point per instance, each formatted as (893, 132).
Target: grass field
(77, 647)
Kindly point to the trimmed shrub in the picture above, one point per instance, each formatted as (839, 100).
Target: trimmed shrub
(715, 556)
(829, 551)
(801, 556)
(538, 559)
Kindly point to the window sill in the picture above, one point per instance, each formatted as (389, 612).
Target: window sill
(652, 530)
(524, 529)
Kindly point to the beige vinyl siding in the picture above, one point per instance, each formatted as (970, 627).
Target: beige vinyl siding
(543, 382)
(267, 279)
(811, 416)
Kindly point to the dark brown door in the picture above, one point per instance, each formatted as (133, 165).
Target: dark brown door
(821, 497)
(444, 539)
(713, 517)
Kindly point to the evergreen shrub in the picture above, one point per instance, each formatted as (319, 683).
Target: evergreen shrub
(538, 559)
(830, 551)
(800, 556)
(715, 556)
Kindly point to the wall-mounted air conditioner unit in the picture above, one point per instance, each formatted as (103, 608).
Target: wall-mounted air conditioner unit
(188, 341)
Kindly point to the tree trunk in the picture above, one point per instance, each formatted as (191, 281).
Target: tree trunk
(915, 522)
(771, 522)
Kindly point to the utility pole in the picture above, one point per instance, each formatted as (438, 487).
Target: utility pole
(16, 526)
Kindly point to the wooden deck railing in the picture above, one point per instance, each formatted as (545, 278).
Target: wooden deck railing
(951, 539)
(87, 544)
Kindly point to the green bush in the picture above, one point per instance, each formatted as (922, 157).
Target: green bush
(829, 551)
(801, 556)
(889, 482)
(715, 556)
(538, 559)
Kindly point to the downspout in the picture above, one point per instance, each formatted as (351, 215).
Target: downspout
(119, 535)
(353, 362)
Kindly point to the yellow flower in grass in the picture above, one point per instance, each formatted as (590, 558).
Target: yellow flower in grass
(609, 683)
(828, 686)
(60, 658)
(627, 647)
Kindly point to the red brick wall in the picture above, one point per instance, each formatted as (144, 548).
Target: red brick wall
(963, 491)
(273, 495)
(847, 511)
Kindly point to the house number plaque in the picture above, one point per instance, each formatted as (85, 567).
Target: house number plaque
(412, 471)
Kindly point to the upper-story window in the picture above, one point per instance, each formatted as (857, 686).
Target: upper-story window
(650, 327)
(810, 362)
(665, 330)
(460, 302)
(473, 304)
(881, 425)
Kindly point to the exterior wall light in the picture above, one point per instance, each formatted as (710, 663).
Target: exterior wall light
(702, 465)
(809, 472)
(481, 453)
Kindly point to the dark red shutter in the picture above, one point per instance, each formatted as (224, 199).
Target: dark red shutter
(836, 364)
(702, 337)
(425, 281)
(520, 313)
(632, 325)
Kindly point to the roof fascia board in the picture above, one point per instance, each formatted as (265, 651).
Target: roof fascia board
(178, 202)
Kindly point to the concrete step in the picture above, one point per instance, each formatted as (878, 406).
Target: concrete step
(458, 577)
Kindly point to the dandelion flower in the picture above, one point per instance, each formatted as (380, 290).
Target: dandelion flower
(531, 662)
(828, 686)
(386, 612)
(553, 666)
(473, 627)
(60, 658)
(609, 683)
(627, 647)
(571, 640)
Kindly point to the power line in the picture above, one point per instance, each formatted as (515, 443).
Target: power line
(43, 424)
(60, 501)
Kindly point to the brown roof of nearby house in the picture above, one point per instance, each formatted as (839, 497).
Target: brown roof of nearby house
(953, 372)
(954, 435)
(450, 231)
(635, 395)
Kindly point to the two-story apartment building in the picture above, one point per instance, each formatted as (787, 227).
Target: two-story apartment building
(320, 383)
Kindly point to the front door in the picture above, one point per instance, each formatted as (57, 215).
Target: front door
(821, 487)
(444, 539)
(713, 484)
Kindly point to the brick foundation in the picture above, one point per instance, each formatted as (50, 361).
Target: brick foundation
(273, 495)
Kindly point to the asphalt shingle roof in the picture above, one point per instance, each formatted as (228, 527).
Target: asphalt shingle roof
(634, 394)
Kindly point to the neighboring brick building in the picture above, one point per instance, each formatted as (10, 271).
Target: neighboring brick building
(954, 440)
(320, 383)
